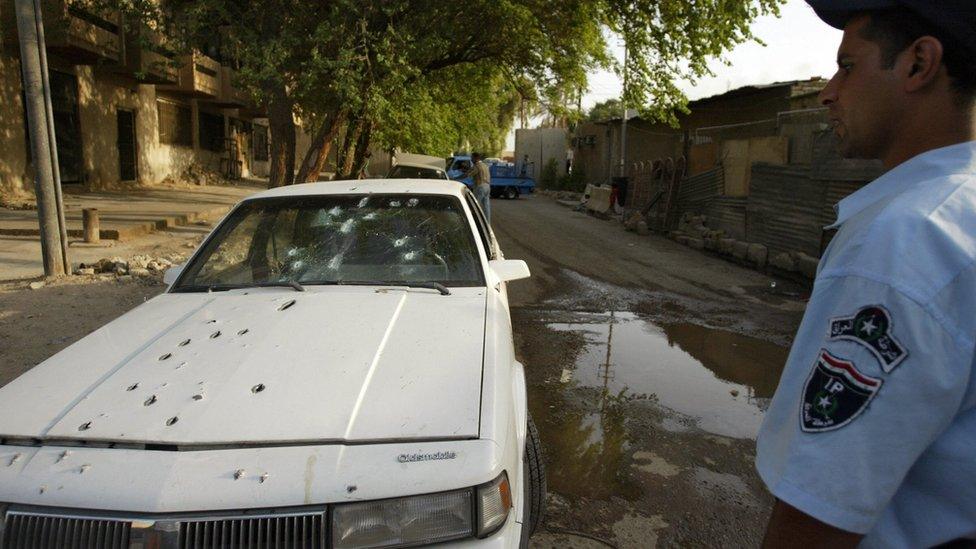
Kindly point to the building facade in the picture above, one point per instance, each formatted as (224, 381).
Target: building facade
(125, 114)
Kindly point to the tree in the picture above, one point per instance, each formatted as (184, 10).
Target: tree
(428, 75)
(605, 110)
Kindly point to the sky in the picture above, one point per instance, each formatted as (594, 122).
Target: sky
(798, 46)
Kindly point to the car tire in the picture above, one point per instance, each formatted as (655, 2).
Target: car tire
(511, 193)
(533, 483)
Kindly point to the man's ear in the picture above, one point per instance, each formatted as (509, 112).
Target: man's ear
(922, 62)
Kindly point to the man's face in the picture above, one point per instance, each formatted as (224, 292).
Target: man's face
(862, 98)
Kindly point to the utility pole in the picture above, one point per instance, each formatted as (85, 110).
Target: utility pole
(623, 119)
(40, 120)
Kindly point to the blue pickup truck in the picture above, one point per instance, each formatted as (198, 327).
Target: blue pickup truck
(507, 179)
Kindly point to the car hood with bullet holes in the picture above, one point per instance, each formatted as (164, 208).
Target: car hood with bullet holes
(264, 366)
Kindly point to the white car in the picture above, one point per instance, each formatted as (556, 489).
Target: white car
(334, 367)
(416, 170)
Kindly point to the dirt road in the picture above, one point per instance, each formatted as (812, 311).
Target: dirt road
(649, 367)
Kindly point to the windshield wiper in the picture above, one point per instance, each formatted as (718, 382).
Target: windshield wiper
(429, 285)
(283, 284)
(225, 287)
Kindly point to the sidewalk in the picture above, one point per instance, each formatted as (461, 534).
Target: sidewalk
(129, 214)
(126, 219)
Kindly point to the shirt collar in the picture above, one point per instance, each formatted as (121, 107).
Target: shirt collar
(959, 158)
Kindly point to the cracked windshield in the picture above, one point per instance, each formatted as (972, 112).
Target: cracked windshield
(382, 239)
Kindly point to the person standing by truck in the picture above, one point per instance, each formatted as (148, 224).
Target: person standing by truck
(482, 183)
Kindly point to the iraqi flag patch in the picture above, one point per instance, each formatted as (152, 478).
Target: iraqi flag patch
(835, 393)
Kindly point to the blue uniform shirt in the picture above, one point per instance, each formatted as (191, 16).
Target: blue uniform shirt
(873, 425)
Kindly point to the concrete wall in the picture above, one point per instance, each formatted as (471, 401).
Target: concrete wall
(591, 152)
(15, 176)
(540, 145)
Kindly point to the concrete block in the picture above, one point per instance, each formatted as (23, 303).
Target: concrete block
(783, 261)
(740, 250)
(807, 265)
(696, 243)
(725, 245)
(757, 254)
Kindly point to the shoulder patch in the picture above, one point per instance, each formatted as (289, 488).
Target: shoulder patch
(835, 394)
(871, 327)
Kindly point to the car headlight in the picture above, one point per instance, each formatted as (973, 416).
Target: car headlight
(422, 520)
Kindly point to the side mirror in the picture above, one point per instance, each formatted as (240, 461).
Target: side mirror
(509, 269)
(171, 274)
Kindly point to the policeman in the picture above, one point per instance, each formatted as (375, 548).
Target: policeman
(871, 436)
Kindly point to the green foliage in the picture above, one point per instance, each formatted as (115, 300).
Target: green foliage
(574, 181)
(549, 178)
(433, 76)
(605, 110)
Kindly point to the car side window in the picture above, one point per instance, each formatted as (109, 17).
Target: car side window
(482, 224)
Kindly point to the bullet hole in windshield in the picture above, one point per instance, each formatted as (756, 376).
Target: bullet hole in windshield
(286, 305)
(198, 397)
(214, 321)
(215, 335)
(167, 355)
(172, 421)
(85, 426)
(150, 401)
(257, 388)
(347, 226)
(398, 243)
(242, 332)
(132, 387)
(185, 342)
(395, 203)
(413, 202)
(363, 202)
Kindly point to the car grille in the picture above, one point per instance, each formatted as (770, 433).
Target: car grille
(304, 531)
(30, 531)
(42, 531)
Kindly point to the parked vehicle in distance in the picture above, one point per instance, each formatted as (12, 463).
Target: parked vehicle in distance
(333, 368)
(413, 170)
(507, 179)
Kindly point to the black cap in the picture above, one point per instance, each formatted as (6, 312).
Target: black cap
(957, 18)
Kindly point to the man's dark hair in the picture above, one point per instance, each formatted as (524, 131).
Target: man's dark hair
(897, 28)
(475, 156)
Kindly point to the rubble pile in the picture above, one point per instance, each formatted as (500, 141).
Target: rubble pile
(138, 266)
(693, 232)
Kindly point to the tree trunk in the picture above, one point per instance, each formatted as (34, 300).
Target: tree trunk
(355, 129)
(318, 153)
(362, 149)
(282, 125)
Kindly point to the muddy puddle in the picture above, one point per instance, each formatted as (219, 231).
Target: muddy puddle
(720, 380)
(701, 379)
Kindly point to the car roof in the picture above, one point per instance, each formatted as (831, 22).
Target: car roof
(418, 165)
(366, 186)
